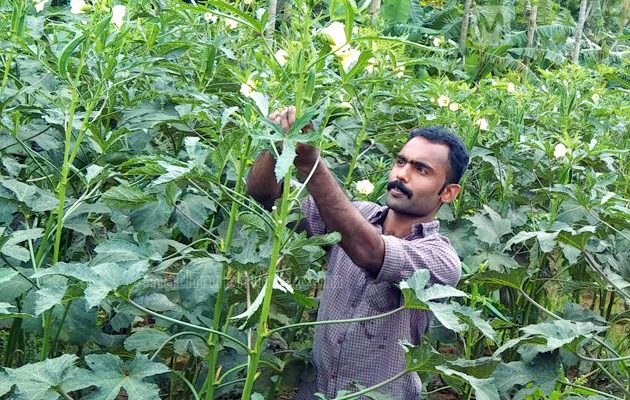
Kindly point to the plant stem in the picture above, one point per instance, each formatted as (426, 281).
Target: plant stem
(337, 321)
(610, 396)
(182, 323)
(264, 313)
(603, 359)
(187, 382)
(63, 319)
(213, 340)
(374, 387)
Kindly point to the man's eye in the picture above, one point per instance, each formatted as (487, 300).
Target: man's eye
(421, 169)
(400, 161)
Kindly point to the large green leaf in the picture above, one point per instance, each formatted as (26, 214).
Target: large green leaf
(199, 279)
(542, 372)
(485, 389)
(513, 279)
(5, 313)
(120, 250)
(35, 198)
(7, 274)
(491, 227)
(10, 247)
(78, 271)
(417, 294)
(111, 276)
(110, 374)
(474, 318)
(396, 11)
(5, 385)
(193, 344)
(48, 297)
(192, 212)
(39, 381)
(126, 197)
(421, 358)
(285, 161)
(556, 334)
(145, 339)
(152, 216)
(546, 240)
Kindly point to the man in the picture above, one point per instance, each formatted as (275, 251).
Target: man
(380, 246)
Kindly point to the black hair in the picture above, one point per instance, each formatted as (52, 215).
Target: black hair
(457, 155)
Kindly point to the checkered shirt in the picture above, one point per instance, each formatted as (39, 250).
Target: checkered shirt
(368, 353)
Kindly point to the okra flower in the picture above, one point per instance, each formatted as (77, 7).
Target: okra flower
(230, 23)
(453, 106)
(364, 187)
(78, 6)
(281, 56)
(560, 150)
(482, 124)
(247, 88)
(437, 41)
(39, 5)
(443, 101)
(511, 88)
(210, 18)
(348, 58)
(595, 97)
(336, 35)
(118, 15)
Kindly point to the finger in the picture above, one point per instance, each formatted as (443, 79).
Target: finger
(284, 121)
(273, 115)
(291, 115)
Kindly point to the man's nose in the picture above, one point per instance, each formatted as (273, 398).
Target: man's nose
(402, 174)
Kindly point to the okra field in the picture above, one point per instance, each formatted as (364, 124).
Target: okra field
(134, 265)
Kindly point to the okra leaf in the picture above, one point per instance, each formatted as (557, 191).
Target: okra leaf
(110, 374)
(41, 380)
(485, 389)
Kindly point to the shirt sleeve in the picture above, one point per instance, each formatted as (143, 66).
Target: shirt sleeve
(312, 221)
(403, 257)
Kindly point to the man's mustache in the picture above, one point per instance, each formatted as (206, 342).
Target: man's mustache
(400, 186)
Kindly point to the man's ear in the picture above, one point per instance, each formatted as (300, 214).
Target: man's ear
(450, 192)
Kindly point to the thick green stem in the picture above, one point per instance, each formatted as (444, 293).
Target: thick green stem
(263, 331)
(7, 68)
(213, 340)
(63, 179)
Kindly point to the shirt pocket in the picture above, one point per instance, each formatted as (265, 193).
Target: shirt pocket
(381, 298)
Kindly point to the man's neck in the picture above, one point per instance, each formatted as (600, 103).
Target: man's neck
(399, 225)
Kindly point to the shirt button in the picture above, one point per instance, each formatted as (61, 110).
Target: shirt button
(339, 341)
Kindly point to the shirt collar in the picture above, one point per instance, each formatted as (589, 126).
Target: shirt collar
(418, 230)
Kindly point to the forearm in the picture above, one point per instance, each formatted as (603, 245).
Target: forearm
(262, 184)
(359, 239)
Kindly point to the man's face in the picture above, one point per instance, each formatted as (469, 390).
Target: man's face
(417, 180)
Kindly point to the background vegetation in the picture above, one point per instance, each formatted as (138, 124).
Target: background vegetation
(132, 263)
